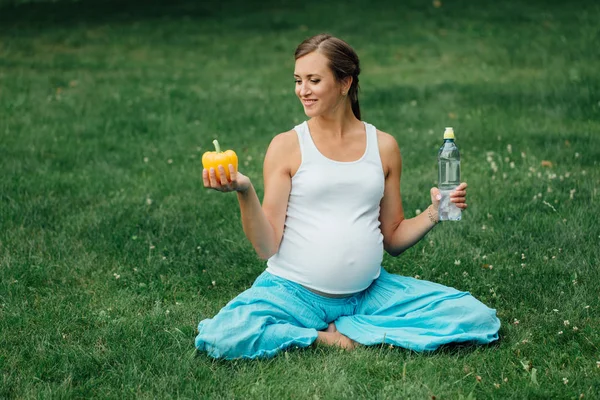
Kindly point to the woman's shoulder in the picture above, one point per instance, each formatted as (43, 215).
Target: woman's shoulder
(284, 152)
(389, 151)
(285, 141)
(387, 142)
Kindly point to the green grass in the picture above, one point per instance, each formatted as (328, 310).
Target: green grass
(111, 251)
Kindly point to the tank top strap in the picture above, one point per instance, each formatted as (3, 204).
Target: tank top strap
(372, 144)
(308, 150)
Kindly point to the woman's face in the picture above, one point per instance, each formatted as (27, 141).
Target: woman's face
(317, 88)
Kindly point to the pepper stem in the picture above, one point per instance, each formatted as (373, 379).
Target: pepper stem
(217, 146)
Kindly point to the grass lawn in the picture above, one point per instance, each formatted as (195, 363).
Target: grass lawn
(111, 250)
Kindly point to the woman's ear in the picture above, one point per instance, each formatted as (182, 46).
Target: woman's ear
(346, 83)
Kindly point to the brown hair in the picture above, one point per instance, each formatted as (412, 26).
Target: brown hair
(343, 61)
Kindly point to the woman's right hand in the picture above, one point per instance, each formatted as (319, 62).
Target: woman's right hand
(217, 180)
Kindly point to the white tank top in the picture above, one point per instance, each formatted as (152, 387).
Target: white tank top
(331, 239)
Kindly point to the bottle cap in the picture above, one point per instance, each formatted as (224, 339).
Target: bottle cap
(449, 133)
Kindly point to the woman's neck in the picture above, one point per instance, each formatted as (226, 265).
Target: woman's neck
(336, 124)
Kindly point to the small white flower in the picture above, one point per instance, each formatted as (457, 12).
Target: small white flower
(516, 322)
(512, 164)
(523, 265)
(169, 161)
(483, 227)
(560, 332)
(214, 283)
(576, 155)
(117, 276)
(575, 328)
(148, 201)
(571, 193)
(417, 211)
(523, 155)
(565, 381)
(484, 257)
(555, 310)
(146, 159)
(566, 322)
(152, 247)
(523, 256)
(417, 276)
(465, 274)
(586, 307)
(456, 262)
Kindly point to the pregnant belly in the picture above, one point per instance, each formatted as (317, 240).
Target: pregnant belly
(341, 260)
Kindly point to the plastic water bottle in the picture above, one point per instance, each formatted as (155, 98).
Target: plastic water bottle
(448, 176)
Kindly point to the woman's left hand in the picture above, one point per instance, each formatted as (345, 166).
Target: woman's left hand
(459, 196)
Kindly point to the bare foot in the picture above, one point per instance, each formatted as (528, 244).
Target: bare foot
(332, 337)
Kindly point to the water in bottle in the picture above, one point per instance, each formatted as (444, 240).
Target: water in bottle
(448, 176)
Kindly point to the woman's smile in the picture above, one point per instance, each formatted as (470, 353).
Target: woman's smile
(308, 102)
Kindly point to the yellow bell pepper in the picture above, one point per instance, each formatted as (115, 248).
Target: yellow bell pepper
(212, 159)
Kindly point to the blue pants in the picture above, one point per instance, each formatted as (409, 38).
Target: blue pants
(275, 314)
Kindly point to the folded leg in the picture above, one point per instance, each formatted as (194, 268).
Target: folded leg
(260, 322)
(418, 315)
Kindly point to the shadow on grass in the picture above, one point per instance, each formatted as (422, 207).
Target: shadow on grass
(98, 11)
(67, 13)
